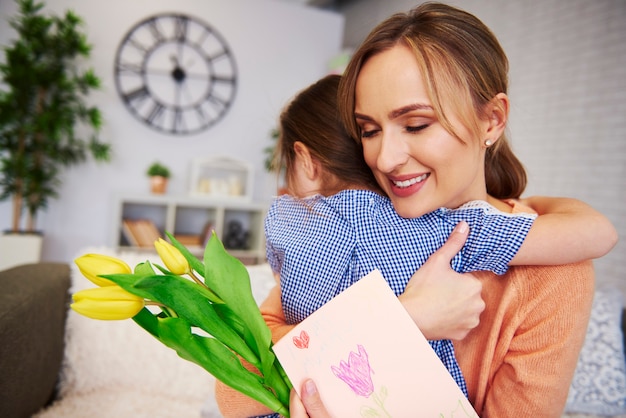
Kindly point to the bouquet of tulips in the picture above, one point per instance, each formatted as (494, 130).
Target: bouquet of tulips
(203, 310)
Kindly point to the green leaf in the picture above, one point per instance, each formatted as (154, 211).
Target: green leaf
(147, 321)
(144, 269)
(229, 278)
(217, 359)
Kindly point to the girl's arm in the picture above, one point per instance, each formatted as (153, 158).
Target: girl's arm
(566, 231)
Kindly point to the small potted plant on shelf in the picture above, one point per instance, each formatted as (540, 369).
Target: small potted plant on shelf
(159, 175)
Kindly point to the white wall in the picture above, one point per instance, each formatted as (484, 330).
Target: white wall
(279, 49)
(568, 93)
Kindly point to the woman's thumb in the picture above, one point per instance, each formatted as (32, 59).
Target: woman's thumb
(455, 241)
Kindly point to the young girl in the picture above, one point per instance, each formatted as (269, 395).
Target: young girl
(336, 226)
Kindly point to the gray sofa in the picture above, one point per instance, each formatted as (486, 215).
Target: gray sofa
(33, 308)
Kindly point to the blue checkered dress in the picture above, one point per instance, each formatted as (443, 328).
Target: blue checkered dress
(322, 245)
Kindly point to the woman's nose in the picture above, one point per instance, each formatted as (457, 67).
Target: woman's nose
(391, 154)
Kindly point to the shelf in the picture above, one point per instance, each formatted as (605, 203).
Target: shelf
(237, 223)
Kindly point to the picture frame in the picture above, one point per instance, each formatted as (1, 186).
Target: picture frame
(221, 177)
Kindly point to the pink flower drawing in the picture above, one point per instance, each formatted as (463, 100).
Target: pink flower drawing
(356, 373)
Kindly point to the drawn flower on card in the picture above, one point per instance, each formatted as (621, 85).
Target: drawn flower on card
(379, 410)
(460, 411)
(356, 373)
(302, 340)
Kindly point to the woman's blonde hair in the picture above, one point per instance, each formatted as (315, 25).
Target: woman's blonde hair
(464, 68)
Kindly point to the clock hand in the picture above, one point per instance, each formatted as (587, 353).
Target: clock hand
(185, 90)
(179, 87)
(197, 76)
(178, 74)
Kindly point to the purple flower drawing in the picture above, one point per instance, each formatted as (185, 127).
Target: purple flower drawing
(356, 373)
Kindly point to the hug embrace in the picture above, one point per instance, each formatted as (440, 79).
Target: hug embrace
(402, 164)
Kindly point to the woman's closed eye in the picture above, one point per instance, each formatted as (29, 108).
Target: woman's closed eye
(368, 130)
(415, 129)
(368, 133)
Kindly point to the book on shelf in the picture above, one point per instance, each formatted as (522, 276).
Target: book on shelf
(189, 240)
(140, 232)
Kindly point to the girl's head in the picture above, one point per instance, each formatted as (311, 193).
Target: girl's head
(422, 75)
(313, 144)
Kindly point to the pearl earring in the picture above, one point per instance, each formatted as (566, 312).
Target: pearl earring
(488, 142)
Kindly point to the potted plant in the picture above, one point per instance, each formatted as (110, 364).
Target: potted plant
(46, 124)
(159, 175)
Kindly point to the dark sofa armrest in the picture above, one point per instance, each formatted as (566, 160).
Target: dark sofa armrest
(33, 309)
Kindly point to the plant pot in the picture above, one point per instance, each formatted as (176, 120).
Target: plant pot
(19, 248)
(158, 184)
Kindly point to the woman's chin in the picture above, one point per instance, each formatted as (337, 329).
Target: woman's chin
(410, 208)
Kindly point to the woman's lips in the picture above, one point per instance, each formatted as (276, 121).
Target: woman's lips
(407, 187)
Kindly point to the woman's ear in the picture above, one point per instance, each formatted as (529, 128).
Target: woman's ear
(497, 117)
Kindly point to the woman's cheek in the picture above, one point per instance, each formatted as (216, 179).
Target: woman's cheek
(370, 152)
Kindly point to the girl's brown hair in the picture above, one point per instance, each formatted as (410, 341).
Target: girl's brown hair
(464, 68)
(312, 118)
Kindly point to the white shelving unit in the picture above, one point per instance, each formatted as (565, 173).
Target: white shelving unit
(181, 215)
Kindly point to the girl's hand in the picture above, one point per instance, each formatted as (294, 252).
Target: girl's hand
(443, 303)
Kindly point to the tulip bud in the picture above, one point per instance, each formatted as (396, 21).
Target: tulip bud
(173, 259)
(107, 303)
(93, 265)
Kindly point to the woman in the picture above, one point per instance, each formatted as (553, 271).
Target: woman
(426, 94)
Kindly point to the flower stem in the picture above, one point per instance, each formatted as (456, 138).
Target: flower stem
(196, 279)
(164, 308)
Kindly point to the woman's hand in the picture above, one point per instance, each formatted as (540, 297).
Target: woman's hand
(443, 303)
(310, 406)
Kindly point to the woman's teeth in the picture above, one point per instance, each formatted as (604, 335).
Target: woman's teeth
(410, 182)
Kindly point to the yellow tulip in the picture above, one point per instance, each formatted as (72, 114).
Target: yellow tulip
(107, 303)
(173, 259)
(93, 265)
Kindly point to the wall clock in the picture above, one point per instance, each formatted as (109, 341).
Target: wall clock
(175, 73)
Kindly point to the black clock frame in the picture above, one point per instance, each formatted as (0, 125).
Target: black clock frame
(148, 42)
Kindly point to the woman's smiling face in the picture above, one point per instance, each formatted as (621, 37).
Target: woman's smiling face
(417, 162)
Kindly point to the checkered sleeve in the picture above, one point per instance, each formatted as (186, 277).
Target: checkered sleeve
(494, 237)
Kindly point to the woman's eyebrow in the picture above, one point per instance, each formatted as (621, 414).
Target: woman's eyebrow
(397, 112)
(409, 108)
(364, 117)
